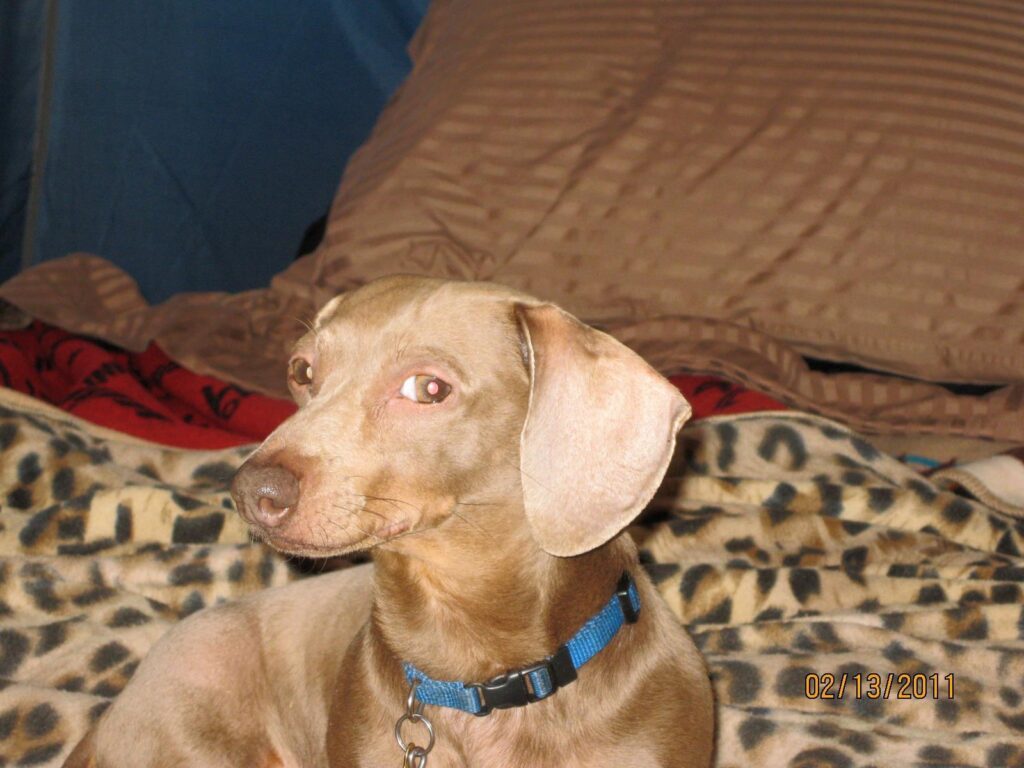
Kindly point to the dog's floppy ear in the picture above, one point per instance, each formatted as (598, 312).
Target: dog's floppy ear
(599, 432)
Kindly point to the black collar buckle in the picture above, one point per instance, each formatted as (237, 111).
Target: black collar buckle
(630, 612)
(516, 688)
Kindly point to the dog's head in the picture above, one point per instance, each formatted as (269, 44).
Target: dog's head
(427, 404)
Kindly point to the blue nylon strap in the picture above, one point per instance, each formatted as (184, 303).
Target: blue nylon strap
(600, 629)
(443, 693)
(591, 639)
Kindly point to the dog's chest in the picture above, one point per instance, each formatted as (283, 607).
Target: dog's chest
(497, 755)
(512, 745)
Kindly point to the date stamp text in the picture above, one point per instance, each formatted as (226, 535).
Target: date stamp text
(871, 685)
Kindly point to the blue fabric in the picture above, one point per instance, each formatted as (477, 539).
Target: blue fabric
(600, 630)
(192, 143)
(21, 56)
(541, 683)
(443, 693)
(590, 640)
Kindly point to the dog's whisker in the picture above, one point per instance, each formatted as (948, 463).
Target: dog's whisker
(352, 524)
(394, 501)
(525, 474)
(408, 535)
(476, 525)
(355, 510)
(307, 324)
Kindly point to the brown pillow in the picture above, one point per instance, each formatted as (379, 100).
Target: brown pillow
(721, 185)
(847, 177)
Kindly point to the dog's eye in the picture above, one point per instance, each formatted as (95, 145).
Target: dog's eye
(422, 388)
(301, 372)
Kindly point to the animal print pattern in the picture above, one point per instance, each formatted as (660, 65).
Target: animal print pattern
(788, 545)
(105, 542)
(791, 547)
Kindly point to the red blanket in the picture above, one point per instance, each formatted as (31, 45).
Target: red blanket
(148, 395)
(143, 394)
(711, 396)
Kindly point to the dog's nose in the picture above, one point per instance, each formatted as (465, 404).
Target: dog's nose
(265, 494)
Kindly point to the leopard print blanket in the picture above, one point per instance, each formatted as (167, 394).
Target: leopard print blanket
(851, 614)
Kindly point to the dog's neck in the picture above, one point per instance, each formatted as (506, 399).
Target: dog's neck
(470, 603)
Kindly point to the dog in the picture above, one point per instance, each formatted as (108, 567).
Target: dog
(490, 449)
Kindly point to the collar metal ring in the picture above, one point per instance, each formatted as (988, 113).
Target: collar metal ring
(415, 718)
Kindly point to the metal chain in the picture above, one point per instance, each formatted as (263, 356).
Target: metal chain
(414, 756)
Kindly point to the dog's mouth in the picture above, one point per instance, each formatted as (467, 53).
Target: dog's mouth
(393, 530)
(324, 547)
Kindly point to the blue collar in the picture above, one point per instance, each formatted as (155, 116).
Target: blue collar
(537, 681)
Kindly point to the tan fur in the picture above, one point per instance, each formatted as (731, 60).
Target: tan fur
(493, 516)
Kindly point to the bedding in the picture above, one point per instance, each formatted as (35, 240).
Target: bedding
(846, 177)
(243, 337)
(144, 394)
(148, 395)
(791, 548)
(997, 480)
(730, 186)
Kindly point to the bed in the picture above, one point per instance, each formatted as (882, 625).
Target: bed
(813, 210)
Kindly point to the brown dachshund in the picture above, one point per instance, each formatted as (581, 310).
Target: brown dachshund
(490, 449)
